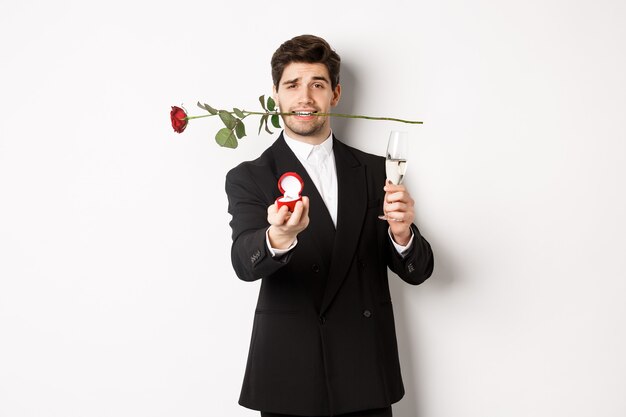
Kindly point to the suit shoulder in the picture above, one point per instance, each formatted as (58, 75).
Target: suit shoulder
(251, 168)
(363, 157)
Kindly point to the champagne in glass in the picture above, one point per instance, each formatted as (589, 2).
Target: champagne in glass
(396, 159)
(395, 170)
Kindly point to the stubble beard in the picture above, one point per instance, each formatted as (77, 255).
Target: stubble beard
(311, 128)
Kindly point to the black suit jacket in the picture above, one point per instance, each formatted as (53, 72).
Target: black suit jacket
(323, 338)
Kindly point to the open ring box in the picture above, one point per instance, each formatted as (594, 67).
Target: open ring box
(291, 185)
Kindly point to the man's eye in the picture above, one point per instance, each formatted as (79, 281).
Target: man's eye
(291, 86)
(318, 85)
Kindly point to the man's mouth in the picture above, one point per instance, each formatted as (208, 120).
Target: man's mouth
(304, 113)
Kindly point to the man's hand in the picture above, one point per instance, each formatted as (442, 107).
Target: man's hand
(284, 225)
(398, 207)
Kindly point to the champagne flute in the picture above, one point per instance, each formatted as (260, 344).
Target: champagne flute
(395, 164)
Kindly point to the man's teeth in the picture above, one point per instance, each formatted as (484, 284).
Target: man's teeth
(303, 113)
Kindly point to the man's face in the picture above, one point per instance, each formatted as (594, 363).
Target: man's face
(306, 87)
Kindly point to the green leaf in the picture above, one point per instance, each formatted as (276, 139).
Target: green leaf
(262, 100)
(263, 121)
(240, 129)
(239, 113)
(228, 119)
(271, 104)
(276, 121)
(226, 138)
(267, 128)
(207, 108)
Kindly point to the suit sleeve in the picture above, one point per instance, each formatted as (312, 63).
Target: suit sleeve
(247, 204)
(417, 264)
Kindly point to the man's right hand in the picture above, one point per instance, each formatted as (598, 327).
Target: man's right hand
(284, 225)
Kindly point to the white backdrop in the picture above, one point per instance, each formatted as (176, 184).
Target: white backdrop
(117, 297)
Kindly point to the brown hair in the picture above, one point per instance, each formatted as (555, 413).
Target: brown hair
(306, 48)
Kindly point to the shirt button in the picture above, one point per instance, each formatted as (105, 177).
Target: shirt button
(315, 268)
(367, 313)
(322, 319)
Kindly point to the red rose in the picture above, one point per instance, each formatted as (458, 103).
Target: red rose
(179, 119)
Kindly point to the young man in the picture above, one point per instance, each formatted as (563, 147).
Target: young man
(323, 339)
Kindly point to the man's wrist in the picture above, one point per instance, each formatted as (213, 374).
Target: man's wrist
(279, 240)
(401, 249)
(276, 252)
(402, 239)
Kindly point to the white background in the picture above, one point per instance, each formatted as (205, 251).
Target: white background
(117, 296)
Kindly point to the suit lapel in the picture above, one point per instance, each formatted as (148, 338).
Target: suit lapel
(352, 189)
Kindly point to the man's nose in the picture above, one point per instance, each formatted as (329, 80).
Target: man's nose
(305, 96)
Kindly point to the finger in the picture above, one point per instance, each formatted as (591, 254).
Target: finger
(303, 210)
(401, 196)
(296, 215)
(395, 207)
(401, 216)
(279, 217)
(391, 187)
(305, 206)
(393, 220)
(395, 196)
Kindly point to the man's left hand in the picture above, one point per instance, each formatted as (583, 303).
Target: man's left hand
(398, 207)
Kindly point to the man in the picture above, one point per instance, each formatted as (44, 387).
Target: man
(323, 340)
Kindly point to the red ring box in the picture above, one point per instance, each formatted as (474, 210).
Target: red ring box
(291, 185)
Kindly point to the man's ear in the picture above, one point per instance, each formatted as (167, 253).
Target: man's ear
(336, 95)
(275, 95)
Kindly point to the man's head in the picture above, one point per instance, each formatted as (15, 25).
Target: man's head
(308, 49)
(306, 80)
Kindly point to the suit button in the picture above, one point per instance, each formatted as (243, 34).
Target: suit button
(367, 313)
(315, 268)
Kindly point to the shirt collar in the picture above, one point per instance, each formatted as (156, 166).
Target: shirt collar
(302, 150)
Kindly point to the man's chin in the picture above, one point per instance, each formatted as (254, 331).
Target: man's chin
(306, 130)
(311, 132)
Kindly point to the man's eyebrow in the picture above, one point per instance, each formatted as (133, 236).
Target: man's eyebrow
(320, 78)
(315, 77)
